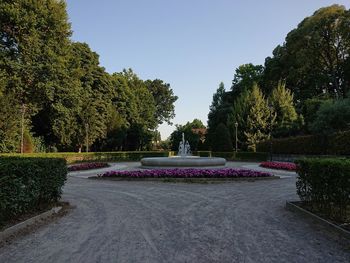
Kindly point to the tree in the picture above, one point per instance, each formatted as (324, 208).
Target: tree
(239, 115)
(219, 112)
(10, 128)
(223, 141)
(34, 48)
(282, 103)
(252, 114)
(332, 117)
(245, 77)
(190, 136)
(259, 118)
(313, 59)
(164, 99)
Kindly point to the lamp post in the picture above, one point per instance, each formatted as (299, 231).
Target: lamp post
(23, 110)
(87, 136)
(271, 109)
(236, 125)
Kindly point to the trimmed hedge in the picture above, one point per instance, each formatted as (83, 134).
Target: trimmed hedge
(29, 184)
(334, 144)
(96, 156)
(325, 185)
(242, 156)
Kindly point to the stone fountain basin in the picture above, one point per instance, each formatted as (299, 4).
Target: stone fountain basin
(179, 161)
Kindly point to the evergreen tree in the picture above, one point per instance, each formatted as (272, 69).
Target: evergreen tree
(282, 103)
(219, 112)
(223, 142)
(258, 120)
(239, 115)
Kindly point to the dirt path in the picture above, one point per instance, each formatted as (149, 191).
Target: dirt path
(164, 222)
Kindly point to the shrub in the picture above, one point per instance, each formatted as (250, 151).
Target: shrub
(242, 156)
(334, 144)
(97, 156)
(28, 184)
(325, 185)
(279, 166)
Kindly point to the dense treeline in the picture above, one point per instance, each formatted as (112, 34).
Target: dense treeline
(55, 94)
(302, 89)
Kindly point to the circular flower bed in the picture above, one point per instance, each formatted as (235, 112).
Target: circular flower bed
(187, 173)
(87, 166)
(279, 166)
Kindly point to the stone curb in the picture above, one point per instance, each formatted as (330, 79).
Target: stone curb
(291, 206)
(22, 225)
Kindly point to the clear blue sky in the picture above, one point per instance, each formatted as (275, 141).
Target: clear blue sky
(191, 44)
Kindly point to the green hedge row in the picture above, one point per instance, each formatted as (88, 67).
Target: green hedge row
(28, 184)
(325, 185)
(242, 156)
(334, 144)
(137, 156)
(97, 156)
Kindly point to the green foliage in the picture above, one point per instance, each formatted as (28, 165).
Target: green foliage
(258, 119)
(242, 156)
(239, 115)
(313, 60)
(333, 144)
(281, 100)
(310, 108)
(70, 99)
(219, 112)
(10, 120)
(71, 157)
(324, 184)
(246, 76)
(192, 137)
(332, 117)
(28, 184)
(164, 99)
(223, 141)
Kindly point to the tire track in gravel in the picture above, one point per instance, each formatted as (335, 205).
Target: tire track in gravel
(165, 222)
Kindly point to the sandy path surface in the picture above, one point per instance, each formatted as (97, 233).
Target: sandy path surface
(166, 222)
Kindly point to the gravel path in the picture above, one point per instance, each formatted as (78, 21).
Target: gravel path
(165, 222)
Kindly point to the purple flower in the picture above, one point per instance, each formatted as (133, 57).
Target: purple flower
(187, 173)
(87, 166)
(279, 166)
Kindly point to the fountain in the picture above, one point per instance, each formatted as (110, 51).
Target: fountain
(184, 158)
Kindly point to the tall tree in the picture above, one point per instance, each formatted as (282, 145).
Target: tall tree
(223, 142)
(281, 100)
(164, 99)
(245, 77)
(313, 59)
(219, 112)
(259, 118)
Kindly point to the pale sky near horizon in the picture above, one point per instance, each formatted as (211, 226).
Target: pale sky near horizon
(191, 44)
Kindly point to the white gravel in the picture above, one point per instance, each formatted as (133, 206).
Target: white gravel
(121, 221)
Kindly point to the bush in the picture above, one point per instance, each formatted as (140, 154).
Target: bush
(28, 184)
(334, 144)
(325, 185)
(332, 117)
(97, 156)
(242, 156)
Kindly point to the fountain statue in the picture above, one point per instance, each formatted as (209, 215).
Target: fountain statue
(184, 147)
(184, 158)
